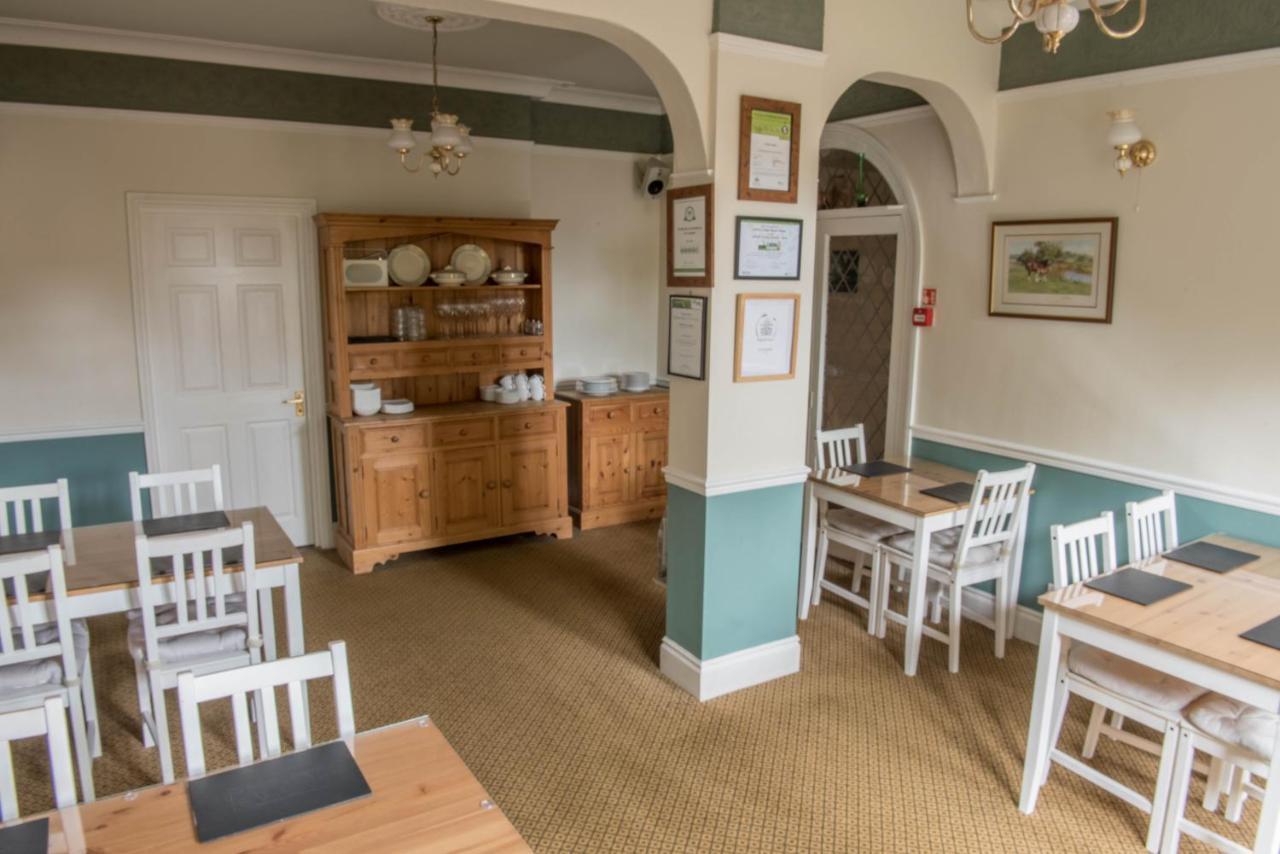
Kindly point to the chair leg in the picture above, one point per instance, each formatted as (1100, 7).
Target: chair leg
(1001, 613)
(1214, 784)
(1096, 717)
(1169, 756)
(820, 564)
(873, 595)
(1117, 720)
(883, 621)
(953, 644)
(80, 739)
(90, 697)
(1239, 794)
(161, 718)
(144, 702)
(1059, 716)
(1177, 795)
(8, 788)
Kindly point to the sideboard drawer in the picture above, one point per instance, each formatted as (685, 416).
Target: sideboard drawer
(650, 410)
(373, 360)
(478, 354)
(424, 358)
(519, 354)
(381, 440)
(530, 424)
(462, 432)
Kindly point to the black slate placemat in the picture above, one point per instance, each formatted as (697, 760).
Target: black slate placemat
(185, 524)
(879, 468)
(31, 542)
(30, 837)
(1211, 556)
(957, 493)
(1267, 634)
(1145, 588)
(274, 790)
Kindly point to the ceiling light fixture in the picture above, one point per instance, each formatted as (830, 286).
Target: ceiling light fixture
(450, 141)
(1056, 18)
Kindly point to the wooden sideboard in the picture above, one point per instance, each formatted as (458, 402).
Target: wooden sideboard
(457, 468)
(617, 451)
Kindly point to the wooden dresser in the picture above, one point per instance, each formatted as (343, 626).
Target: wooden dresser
(617, 451)
(457, 468)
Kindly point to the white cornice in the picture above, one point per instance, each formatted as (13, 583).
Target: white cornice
(1220, 493)
(761, 49)
(73, 37)
(1153, 74)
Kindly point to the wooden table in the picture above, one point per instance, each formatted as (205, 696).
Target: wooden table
(897, 499)
(1193, 635)
(424, 799)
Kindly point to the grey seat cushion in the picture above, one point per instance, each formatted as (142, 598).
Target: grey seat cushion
(1235, 723)
(188, 646)
(46, 671)
(861, 525)
(1130, 679)
(943, 546)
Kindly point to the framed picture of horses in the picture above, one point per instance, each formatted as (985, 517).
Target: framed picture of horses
(1056, 269)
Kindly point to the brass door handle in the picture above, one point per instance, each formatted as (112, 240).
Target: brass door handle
(299, 401)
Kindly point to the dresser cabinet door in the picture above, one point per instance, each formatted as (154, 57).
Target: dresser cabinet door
(466, 487)
(530, 488)
(651, 459)
(609, 478)
(397, 498)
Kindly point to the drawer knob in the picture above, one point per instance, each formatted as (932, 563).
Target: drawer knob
(528, 425)
(462, 432)
(424, 494)
(374, 360)
(395, 440)
(506, 484)
(613, 414)
(493, 484)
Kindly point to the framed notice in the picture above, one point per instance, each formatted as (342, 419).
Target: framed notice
(687, 337)
(768, 334)
(767, 248)
(689, 236)
(768, 150)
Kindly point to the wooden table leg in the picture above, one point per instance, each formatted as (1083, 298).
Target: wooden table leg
(1042, 707)
(1268, 836)
(917, 597)
(808, 546)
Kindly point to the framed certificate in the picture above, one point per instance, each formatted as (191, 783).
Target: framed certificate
(768, 150)
(768, 334)
(687, 337)
(689, 234)
(767, 248)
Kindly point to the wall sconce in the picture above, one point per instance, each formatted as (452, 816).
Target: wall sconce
(1125, 137)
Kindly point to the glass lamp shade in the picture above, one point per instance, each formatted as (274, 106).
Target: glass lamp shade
(402, 138)
(444, 131)
(1061, 17)
(1124, 129)
(464, 146)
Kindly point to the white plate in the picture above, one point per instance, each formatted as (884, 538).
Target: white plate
(408, 265)
(473, 261)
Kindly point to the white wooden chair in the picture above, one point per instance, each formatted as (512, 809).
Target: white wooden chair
(41, 659)
(22, 510)
(175, 493)
(982, 549)
(1152, 526)
(1083, 551)
(857, 532)
(263, 679)
(1237, 737)
(48, 719)
(206, 629)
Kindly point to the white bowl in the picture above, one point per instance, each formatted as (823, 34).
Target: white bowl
(508, 276)
(489, 392)
(508, 395)
(366, 398)
(448, 277)
(397, 406)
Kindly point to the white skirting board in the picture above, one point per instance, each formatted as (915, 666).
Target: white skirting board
(1026, 621)
(725, 674)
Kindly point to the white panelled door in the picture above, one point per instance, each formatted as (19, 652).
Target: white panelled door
(221, 295)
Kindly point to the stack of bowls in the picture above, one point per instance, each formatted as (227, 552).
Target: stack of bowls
(598, 385)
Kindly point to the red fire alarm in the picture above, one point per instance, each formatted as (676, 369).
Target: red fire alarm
(930, 296)
(922, 316)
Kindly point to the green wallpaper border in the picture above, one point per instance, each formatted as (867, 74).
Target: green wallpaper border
(794, 22)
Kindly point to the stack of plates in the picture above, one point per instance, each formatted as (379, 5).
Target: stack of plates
(598, 385)
(397, 406)
(636, 381)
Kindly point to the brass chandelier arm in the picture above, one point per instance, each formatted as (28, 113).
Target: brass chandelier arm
(1100, 15)
(1005, 34)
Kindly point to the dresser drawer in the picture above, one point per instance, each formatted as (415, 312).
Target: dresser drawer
(529, 424)
(373, 360)
(650, 410)
(381, 440)
(424, 358)
(466, 432)
(479, 354)
(608, 417)
(517, 354)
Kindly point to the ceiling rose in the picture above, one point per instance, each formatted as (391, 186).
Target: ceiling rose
(416, 18)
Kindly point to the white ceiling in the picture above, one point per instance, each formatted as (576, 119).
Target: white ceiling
(352, 28)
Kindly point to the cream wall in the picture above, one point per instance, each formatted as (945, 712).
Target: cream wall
(67, 323)
(1184, 382)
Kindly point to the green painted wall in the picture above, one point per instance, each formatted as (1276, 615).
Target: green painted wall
(733, 568)
(865, 98)
(1063, 497)
(96, 467)
(793, 22)
(87, 79)
(1176, 31)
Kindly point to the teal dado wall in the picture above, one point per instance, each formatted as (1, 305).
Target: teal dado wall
(96, 468)
(1064, 496)
(733, 568)
(39, 75)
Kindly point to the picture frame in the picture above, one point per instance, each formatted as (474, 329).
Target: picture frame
(768, 150)
(1054, 269)
(690, 237)
(687, 336)
(767, 338)
(767, 248)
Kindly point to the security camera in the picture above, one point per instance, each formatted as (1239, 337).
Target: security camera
(653, 178)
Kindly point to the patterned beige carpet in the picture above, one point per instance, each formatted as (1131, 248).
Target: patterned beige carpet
(537, 660)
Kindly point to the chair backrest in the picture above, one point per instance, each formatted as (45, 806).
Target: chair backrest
(1152, 526)
(22, 511)
(842, 447)
(23, 636)
(239, 682)
(201, 587)
(174, 493)
(49, 720)
(1084, 550)
(995, 511)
